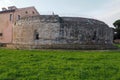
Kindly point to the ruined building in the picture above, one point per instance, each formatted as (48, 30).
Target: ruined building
(54, 32)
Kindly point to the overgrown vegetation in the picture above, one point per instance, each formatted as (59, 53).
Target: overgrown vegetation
(59, 65)
(118, 45)
(117, 29)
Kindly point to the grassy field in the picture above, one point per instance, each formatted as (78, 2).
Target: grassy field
(59, 65)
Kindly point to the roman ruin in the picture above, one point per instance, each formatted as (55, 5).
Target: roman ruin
(54, 32)
(25, 28)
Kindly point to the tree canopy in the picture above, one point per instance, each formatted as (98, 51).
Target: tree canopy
(117, 29)
(117, 23)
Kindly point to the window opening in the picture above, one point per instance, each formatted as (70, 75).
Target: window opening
(1, 34)
(33, 12)
(11, 17)
(94, 36)
(26, 12)
(18, 17)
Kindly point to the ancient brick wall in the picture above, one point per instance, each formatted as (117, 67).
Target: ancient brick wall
(52, 31)
(85, 31)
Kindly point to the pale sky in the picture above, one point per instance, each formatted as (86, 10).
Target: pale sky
(104, 10)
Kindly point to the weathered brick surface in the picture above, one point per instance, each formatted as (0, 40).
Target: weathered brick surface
(62, 32)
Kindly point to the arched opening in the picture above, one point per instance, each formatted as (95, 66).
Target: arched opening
(36, 35)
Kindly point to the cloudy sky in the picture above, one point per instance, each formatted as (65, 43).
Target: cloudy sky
(104, 10)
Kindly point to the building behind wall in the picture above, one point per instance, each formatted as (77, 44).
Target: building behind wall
(8, 17)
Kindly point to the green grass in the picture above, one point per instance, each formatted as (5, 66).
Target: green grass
(59, 65)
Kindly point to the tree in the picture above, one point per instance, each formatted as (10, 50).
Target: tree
(117, 29)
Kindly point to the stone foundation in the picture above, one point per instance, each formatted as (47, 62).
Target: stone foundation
(62, 46)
